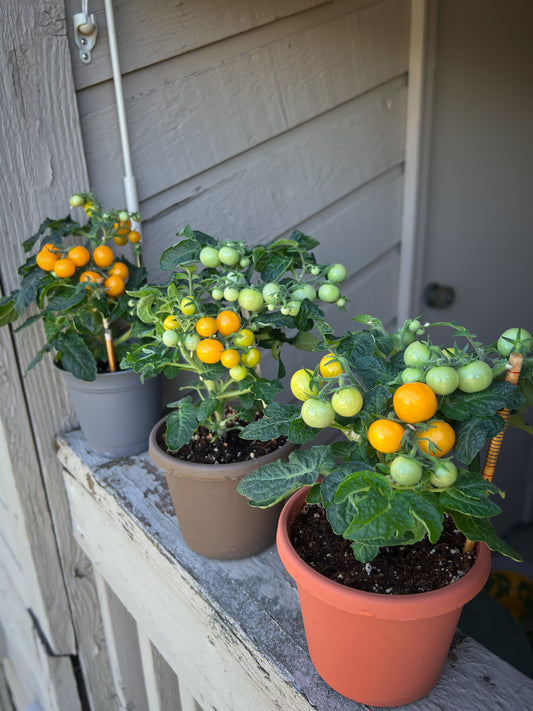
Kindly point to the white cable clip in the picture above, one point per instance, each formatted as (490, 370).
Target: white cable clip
(85, 32)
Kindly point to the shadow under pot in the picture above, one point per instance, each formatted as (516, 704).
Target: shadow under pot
(215, 520)
(116, 411)
(373, 648)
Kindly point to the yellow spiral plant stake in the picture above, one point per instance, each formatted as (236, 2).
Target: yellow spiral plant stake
(109, 346)
(513, 373)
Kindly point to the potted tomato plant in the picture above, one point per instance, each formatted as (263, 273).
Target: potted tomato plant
(379, 534)
(224, 306)
(75, 285)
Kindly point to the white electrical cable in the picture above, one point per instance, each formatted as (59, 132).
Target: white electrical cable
(130, 189)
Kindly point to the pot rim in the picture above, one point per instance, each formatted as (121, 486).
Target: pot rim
(410, 606)
(213, 471)
(103, 376)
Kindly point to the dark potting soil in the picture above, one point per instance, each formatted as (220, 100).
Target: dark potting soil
(206, 448)
(397, 570)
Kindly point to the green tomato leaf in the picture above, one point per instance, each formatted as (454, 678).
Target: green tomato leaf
(472, 435)
(273, 482)
(275, 423)
(481, 530)
(304, 241)
(300, 432)
(67, 298)
(274, 265)
(373, 370)
(8, 312)
(305, 341)
(185, 252)
(426, 510)
(206, 408)
(265, 390)
(364, 552)
(181, 424)
(75, 356)
(462, 406)
(205, 239)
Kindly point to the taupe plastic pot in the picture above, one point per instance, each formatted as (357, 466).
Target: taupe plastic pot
(116, 411)
(215, 520)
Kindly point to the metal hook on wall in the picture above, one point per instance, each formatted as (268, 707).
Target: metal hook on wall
(85, 32)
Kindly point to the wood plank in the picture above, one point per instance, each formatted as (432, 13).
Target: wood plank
(204, 109)
(148, 33)
(167, 683)
(280, 184)
(249, 607)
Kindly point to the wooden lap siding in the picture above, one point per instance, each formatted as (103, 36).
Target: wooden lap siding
(249, 119)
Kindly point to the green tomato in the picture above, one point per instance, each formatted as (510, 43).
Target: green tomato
(231, 293)
(336, 273)
(250, 299)
(209, 257)
(444, 474)
(414, 325)
(347, 402)
(244, 262)
(301, 386)
(123, 216)
(170, 339)
(475, 376)
(442, 379)
(228, 256)
(191, 340)
(318, 413)
(187, 306)
(315, 270)
(238, 372)
(217, 294)
(304, 291)
(271, 292)
(514, 340)
(341, 302)
(405, 471)
(293, 307)
(76, 201)
(413, 375)
(251, 357)
(416, 354)
(244, 338)
(329, 293)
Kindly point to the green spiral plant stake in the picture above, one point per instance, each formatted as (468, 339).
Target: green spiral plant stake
(415, 416)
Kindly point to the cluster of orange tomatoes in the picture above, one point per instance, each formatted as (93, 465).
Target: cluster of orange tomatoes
(206, 341)
(64, 266)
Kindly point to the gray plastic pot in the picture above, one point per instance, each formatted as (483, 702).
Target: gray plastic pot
(215, 520)
(116, 411)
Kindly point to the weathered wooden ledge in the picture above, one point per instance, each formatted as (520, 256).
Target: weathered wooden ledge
(230, 631)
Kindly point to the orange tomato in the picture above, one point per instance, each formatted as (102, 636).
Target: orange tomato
(103, 256)
(122, 228)
(228, 322)
(230, 358)
(385, 436)
(115, 286)
(134, 236)
(120, 241)
(79, 255)
(47, 257)
(414, 402)
(64, 268)
(206, 326)
(92, 276)
(119, 269)
(209, 350)
(437, 440)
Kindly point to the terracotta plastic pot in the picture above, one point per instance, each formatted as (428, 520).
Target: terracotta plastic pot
(215, 520)
(381, 650)
(116, 411)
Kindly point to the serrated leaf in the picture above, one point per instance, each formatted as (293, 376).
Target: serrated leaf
(303, 240)
(273, 482)
(300, 432)
(426, 510)
(68, 298)
(364, 552)
(185, 252)
(265, 390)
(205, 239)
(181, 425)
(274, 266)
(305, 341)
(455, 500)
(37, 359)
(462, 406)
(481, 530)
(472, 435)
(75, 356)
(373, 370)
(29, 287)
(8, 312)
(265, 429)
(206, 408)
(376, 401)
